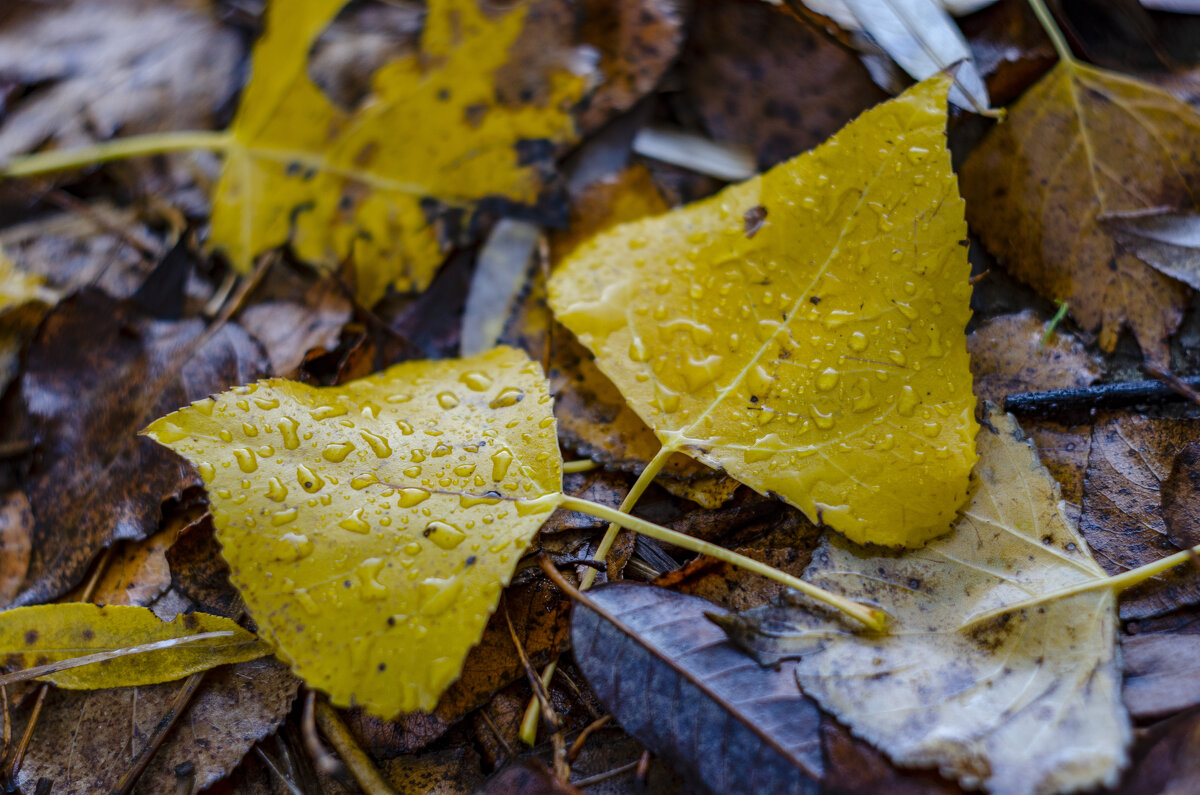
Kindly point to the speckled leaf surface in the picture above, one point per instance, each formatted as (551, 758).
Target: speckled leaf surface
(371, 526)
(804, 330)
(1029, 701)
(354, 185)
(43, 634)
(1083, 145)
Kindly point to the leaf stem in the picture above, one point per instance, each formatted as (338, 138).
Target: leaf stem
(639, 487)
(1116, 583)
(354, 757)
(870, 617)
(118, 149)
(1052, 30)
(582, 465)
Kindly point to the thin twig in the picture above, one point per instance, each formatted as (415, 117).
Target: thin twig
(1169, 378)
(1081, 402)
(179, 704)
(605, 776)
(291, 787)
(327, 764)
(491, 724)
(361, 766)
(577, 746)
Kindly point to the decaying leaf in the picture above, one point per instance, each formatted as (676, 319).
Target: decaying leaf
(765, 80)
(821, 357)
(371, 526)
(85, 741)
(95, 373)
(1084, 145)
(17, 286)
(1008, 356)
(16, 537)
(48, 633)
(1181, 498)
(108, 66)
(676, 683)
(290, 328)
(1023, 702)
(339, 186)
(1122, 517)
(1162, 673)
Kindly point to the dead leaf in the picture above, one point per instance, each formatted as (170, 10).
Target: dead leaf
(1181, 498)
(1083, 145)
(774, 363)
(1162, 673)
(675, 682)
(1023, 702)
(289, 329)
(1122, 516)
(199, 572)
(1011, 50)
(337, 185)
(526, 778)
(84, 741)
(770, 82)
(1167, 764)
(95, 373)
(386, 521)
(501, 273)
(106, 66)
(453, 771)
(1007, 356)
(16, 537)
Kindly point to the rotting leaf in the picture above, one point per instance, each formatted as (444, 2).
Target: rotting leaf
(85, 741)
(678, 685)
(16, 537)
(1085, 144)
(1008, 356)
(1162, 673)
(1131, 456)
(1180, 496)
(1022, 702)
(94, 374)
(336, 185)
(371, 526)
(48, 633)
(822, 359)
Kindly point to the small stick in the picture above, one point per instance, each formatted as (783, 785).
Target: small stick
(605, 776)
(179, 704)
(577, 746)
(1173, 381)
(283, 779)
(327, 763)
(361, 766)
(1082, 401)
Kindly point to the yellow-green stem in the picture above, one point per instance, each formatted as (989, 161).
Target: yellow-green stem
(118, 149)
(1115, 583)
(870, 617)
(583, 465)
(1051, 27)
(533, 711)
(640, 485)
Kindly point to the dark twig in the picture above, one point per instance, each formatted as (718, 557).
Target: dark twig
(1169, 378)
(1080, 403)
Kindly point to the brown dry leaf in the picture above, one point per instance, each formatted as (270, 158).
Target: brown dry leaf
(137, 573)
(289, 329)
(84, 741)
(1022, 702)
(16, 537)
(1007, 356)
(452, 771)
(637, 41)
(1181, 498)
(106, 66)
(765, 80)
(1083, 145)
(1168, 760)
(95, 373)
(1122, 518)
(199, 572)
(1010, 47)
(1162, 673)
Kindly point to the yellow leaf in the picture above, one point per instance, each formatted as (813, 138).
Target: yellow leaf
(48, 633)
(1081, 148)
(371, 527)
(804, 330)
(350, 185)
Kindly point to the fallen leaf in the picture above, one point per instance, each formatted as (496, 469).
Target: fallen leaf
(379, 519)
(1180, 494)
(501, 273)
(770, 82)
(1162, 673)
(791, 368)
(16, 537)
(854, 766)
(289, 329)
(453, 771)
(1008, 356)
(637, 42)
(1122, 517)
(199, 572)
(94, 374)
(526, 778)
(44, 634)
(1168, 242)
(137, 572)
(332, 183)
(676, 683)
(1022, 702)
(1083, 145)
(1011, 50)
(1168, 762)
(85, 741)
(104, 66)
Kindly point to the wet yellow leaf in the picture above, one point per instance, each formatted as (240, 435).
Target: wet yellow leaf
(345, 185)
(371, 527)
(1019, 702)
(804, 330)
(48, 633)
